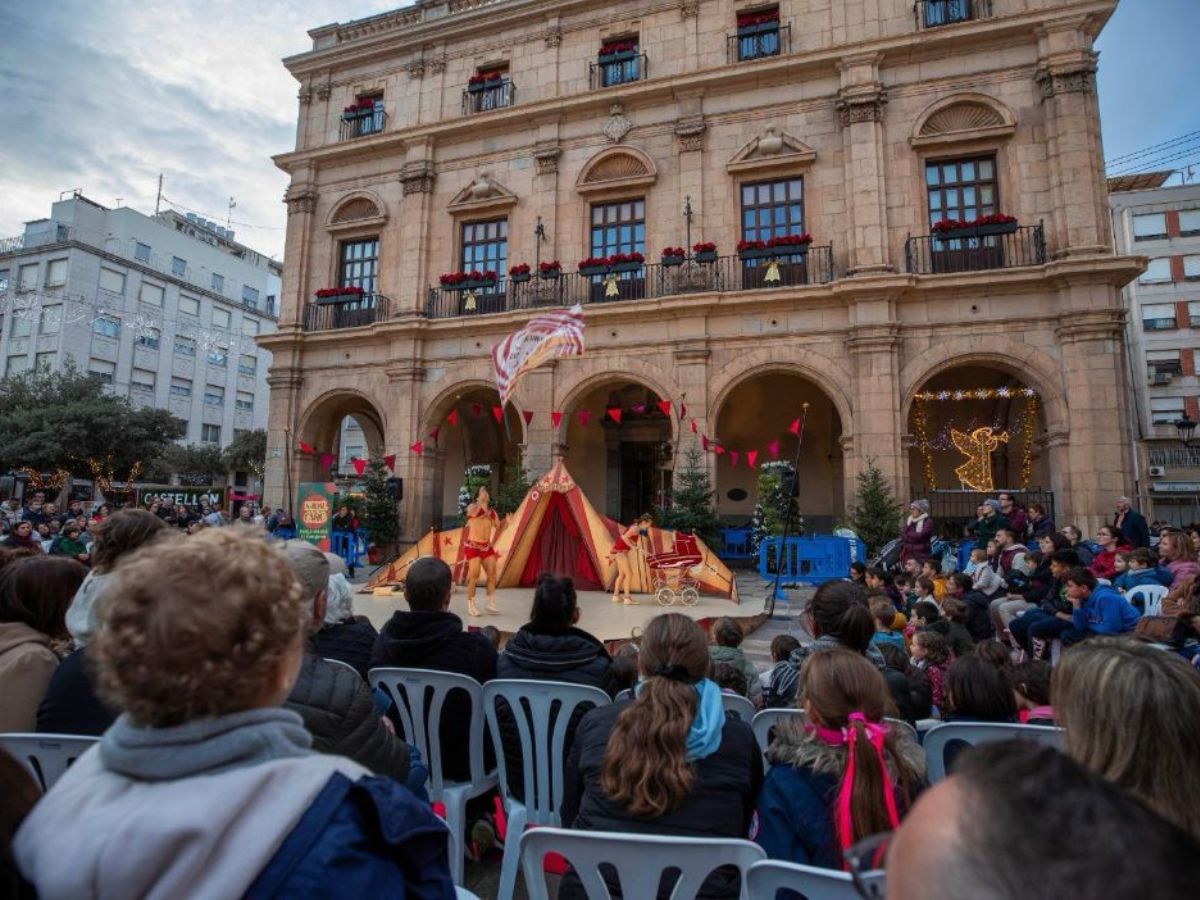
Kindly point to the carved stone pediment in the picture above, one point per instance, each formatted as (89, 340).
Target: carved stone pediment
(772, 150)
(481, 194)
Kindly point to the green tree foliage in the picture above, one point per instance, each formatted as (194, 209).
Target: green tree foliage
(512, 491)
(775, 482)
(690, 507)
(63, 418)
(247, 452)
(378, 512)
(194, 464)
(474, 477)
(875, 513)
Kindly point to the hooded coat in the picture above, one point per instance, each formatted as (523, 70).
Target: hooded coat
(26, 666)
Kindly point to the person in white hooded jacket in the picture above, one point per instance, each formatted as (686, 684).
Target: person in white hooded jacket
(205, 787)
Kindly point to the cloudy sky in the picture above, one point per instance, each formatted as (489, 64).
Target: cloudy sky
(103, 95)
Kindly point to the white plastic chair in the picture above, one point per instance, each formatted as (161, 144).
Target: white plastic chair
(342, 663)
(739, 705)
(937, 739)
(639, 860)
(543, 750)
(626, 694)
(47, 756)
(1151, 596)
(766, 720)
(765, 879)
(461, 893)
(420, 719)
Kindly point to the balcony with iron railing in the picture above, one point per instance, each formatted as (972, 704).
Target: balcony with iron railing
(935, 13)
(975, 250)
(758, 42)
(488, 95)
(650, 281)
(362, 123)
(618, 68)
(345, 311)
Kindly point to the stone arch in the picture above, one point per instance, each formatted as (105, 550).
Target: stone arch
(357, 208)
(617, 168)
(826, 373)
(320, 426)
(961, 117)
(636, 370)
(438, 408)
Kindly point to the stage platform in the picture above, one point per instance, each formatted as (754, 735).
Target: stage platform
(597, 613)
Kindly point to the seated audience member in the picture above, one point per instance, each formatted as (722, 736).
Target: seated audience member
(1021, 821)
(208, 785)
(1083, 549)
(1006, 607)
(551, 646)
(23, 537)
(727, 638)
(337, 706)
(343, 635)
(35, 592)
(931, 654)
(429, 636)
(977, 620)
(779, 684)
(984, 579)
(976, 691)
(1131, 713)
(668, 762)
(1011, 554)
(1030, 682)
(879, 581)
(858, 573)
(995, 653)
(1177, 554)
(884, 614)
(70, 546)
(1141, 570)
(930, 618)
(1098, 609)
(913, 696)
(492, 633)
(904, 587)
(932, 569)
(1053, 615)
(843, 774)
(625, 668)
(1103, 564)
(18, 794)
(730, 679)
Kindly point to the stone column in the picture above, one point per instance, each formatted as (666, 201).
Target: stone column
(536, 393)
(403, 424)
(416, 178)
(692, 376)
(874, 347)
(301, 200)
(860, 105)
(1066, 76)
(278, 481)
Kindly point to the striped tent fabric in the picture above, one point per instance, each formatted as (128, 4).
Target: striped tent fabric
(551, 336)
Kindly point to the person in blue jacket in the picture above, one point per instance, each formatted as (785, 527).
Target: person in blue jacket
(1096, 608)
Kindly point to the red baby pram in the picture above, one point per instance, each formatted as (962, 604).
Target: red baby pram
(672, 572)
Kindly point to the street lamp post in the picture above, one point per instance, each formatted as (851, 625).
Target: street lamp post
(1186, 428)
(540, 233)
(687, 216)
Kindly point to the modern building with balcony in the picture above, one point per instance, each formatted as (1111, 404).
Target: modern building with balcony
(167, 309)
(893, 217)
(1163, 325)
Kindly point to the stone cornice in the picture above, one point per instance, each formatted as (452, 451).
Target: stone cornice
(1097, 325)
(405, 373)
(874, 338)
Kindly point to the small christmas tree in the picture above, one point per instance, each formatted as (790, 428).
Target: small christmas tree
(510, 494)
(690, 506)
(875, 514)
(378, 508)
(775, 487)
(474, 478)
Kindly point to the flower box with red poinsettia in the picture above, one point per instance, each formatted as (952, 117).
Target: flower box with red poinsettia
(673, 256)
(550, 269)
(984, 226)
(618, 51)
(467, 281)
(705, 251)
(750, 24)
(789, 244)
(753, 250)
(618, 262)
(519, 273)
(484, 80)
(339, 294)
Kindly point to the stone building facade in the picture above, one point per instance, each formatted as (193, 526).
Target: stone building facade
(475, 135)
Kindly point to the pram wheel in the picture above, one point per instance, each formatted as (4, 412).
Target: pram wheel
(665, 596)
(689, 596)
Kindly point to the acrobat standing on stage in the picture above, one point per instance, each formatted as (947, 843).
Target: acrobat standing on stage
(483, 525)
(625, 544)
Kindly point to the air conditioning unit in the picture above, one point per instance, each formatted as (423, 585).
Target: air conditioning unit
(1157, 471)
(1160, 378)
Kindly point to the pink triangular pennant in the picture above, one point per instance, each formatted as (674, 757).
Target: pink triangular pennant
(418, 447)
(664, 406)
(585, 416)
(498, 414)
(734, 456)
(682, 410)
(390, 462)
(718, 449)
(693, 426)
(453, 417)
(751, 457)
(326, 460)
(555, 419)
(437, 430)
(360, 465)
(703, 441)
(794, 428)
(527, 415)
(614, 413)
(773, 449)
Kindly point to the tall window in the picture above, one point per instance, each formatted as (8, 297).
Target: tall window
(961, 189)
(178, 266)
(210, 434)
(619, 61)
(218, 283)
(360, 264)
(485, 246)
(618, 228)
(758, 33)
(772, 209)
(141, 252)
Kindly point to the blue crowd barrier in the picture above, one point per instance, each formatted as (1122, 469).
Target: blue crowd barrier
(735, 544)
(811, 559)
(351, 546)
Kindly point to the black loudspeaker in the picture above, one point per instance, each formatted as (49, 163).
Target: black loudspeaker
(395, 489)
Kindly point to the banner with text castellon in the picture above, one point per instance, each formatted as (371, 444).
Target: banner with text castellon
(314, 509)
(188, 496)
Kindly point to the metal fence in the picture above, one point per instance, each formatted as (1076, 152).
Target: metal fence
(935, 13)
(952, 511)
(937, 255)
(327, 316)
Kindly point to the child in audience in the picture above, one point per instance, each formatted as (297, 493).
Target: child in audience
(976, 691)
(931, 654)
(730, 679)
(492, 633)
(904, 588)
(884, 614)
(727, 638)
(779, 684)
(948, 626)
(1141, 569)
(912, 692)
(978, 619)
(984, 578)
(842, 774)
(996, 653)
(880, 582)
(1030, 682)
(932, 569)
(858, 572)
(624, 671)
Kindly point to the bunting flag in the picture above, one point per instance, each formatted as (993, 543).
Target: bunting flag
(664, 406)
(417, 447)
(305, 448)
(453, 417)
(614, 413)
(527, 415)
(555, 335)
(794, 428)
(773, 449)
(477, 409)
(498, 414)
(751, 457)
(390, 462)
(584, 417)
(693, 426)
(326, 460)
(360, 465)
(733, 458)
(682, 410)
(703, 441)
(555, 420)
(718, 449)
(437, 430)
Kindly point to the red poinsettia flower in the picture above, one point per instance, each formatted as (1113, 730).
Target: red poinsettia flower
(520, 269)
(704, 247)
(551, 266)
(673, 251)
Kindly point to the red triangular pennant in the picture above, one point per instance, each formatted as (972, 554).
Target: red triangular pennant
(751, 457)
(664, 406)
(794, 428)
(527, 415)
(703, 441)
(453, 417)
(305, 448)
(555, 419)
(477, 409)
(418, 447)
(390, 462)
(498, 414)
(615, 414)
(360, 465)
(326, 460)
(682, 410)
(718, 449)
(437, 430)
(773, 448)
(734, 456)
(585, 416)
(693, 426)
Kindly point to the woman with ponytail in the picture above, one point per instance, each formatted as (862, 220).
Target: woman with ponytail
(841, 773)
(668, 761)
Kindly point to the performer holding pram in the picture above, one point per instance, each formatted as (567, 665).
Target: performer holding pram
(479, 543)
(627, 541)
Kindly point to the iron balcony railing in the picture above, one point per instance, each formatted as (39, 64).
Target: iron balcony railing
(650, 282)
(487, 97)
(758, 42)
(935, 13)
(621, 68)
(331, 314)
(371, 122)
(940, 255)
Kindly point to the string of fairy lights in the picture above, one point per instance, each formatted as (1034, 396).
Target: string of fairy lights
(1025, 424)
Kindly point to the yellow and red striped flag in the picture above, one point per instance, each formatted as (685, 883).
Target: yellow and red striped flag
(551, 336)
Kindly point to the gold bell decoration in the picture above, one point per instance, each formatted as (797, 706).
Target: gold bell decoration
(611, 288)
(772, 275)
(469, 301)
